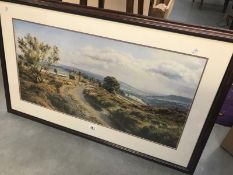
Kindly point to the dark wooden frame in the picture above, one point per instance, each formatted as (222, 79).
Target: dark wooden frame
(205, 32)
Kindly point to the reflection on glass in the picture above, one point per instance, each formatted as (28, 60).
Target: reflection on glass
(214, 13)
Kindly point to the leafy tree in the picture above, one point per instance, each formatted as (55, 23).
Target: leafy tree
(79, 76)
(85, 76)
(92, 79)
(55, 71)
(71, 76)
(37, 56)
(111, 84)
(122, 93)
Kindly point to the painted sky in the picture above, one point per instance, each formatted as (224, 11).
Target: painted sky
(148, 69)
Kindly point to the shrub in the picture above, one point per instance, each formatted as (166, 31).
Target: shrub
(125, 120)
(71, 77)
(60, 104)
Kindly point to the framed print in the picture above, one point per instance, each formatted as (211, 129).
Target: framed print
(125, 81)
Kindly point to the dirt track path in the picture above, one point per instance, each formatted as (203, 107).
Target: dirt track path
(76, 94)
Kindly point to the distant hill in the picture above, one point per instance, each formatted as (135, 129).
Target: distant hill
(169, 101)
(174, 98)
(158, 100)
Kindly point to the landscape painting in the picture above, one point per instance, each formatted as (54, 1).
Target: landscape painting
(138, 90)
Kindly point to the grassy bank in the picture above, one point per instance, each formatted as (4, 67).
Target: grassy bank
(160, 125)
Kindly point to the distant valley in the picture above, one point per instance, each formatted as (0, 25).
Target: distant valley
(157, 100)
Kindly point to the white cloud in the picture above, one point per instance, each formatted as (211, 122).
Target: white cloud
(164, 72)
